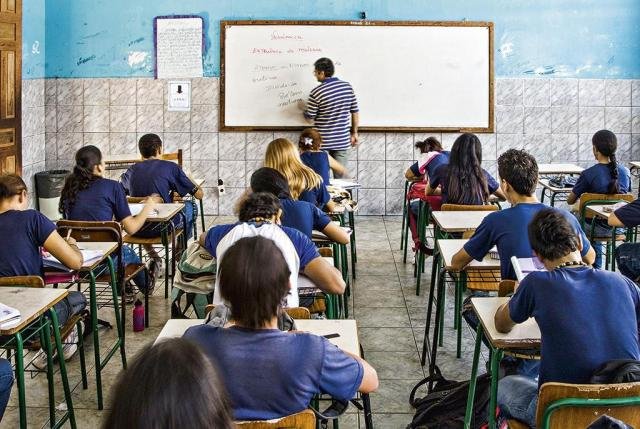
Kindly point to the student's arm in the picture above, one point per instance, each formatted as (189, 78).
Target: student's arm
(336, 233)
(369, 377)
(337, 168)
(65, 252)
(503, 320)
(355, 121)
(202, 239)
(572, 198)
(132, 224)
(325, 276)
(614, 221)
(589, 257)
(498, 193)
(460, 260)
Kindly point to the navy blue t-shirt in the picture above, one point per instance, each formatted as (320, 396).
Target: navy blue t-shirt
(156, 176)
(586, 317)
(433, 165)
(441, 178)
(508, 230)
(319, 196)
(270, 374)
(23, 232)
(629, 215)
(303, 216)
(596, 179)
(318, 162)
(305, 248)
(104, 200)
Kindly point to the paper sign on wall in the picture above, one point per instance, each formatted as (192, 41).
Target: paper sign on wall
(178, 43)
(179, 96)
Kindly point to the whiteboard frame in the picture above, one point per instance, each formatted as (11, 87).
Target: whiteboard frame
(224, 24)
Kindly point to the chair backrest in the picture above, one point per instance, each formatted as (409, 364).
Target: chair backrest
(293, 312)
(91, 231)
(302, 420)
(569, 406)
(136, 200)
(26, 281)
(468, 208)
(589, 198)
(174, 156)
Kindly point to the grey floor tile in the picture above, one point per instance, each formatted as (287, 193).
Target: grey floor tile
(393, 396)
(379, 298)
(386, 340)
(382, 317)
(396, 365)
(368, 282)
(391, 421)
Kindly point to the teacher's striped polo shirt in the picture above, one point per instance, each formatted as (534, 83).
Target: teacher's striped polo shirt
(330, 106)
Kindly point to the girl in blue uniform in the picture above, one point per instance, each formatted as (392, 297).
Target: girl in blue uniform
(88, 196)
(309, 143)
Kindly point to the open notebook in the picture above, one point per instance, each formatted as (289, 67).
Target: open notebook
(89, 256)
(524, 266)
(8, 316)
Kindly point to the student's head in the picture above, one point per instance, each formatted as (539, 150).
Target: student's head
(605, 143)
(267, 179)
(551, 235)
(254, 279)
(260, 206)
(518, 172)
(150, 145)
(466, 181)
(89, 167)
(429, 144)
(282, 155)
(323, 68)
(149, 396)
(310, 139)
(13, 190)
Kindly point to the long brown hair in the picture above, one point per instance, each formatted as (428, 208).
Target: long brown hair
(81, 177)
(10, 185)
(282, 155)
(466, 182)
(606, 143)
(150, 395)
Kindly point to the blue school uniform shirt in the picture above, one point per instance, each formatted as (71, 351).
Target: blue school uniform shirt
(434, 164)
(596, 179)
(507, 229)
(586, 317)
(23, 232)
(270, 374)
(156, 176)
(102, 201)
(629, 215)
(303, 216)
(318, 196)
(318, 162)
(441, 178)
(305, 248)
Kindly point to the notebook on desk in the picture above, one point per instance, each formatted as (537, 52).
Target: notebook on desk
(8, 316)
(524, 266)
(88, 256)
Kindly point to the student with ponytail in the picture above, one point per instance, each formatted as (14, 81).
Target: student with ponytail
(311, 155)
(88, 196)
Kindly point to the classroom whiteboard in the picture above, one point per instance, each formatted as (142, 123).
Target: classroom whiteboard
(407, 76)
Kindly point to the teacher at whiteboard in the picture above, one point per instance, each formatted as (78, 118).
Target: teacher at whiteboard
(333, 108)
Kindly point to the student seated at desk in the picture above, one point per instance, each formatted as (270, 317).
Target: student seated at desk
(269, 373)
(305, 184)
(156, 176)
(300, 215)
(24, 232)
(6, 381)
(311, 155)
(463, 180)
(190, 395)
(507, 229)
(605, 177)
(627, 254)
(88, 196)
(260, 215)
(586, 316)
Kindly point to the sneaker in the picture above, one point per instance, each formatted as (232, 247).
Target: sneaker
(40, 361)
(157, 265)
(69, 349)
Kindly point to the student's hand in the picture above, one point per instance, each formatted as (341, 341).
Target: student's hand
(71, 241)
(149, 205)
(154, 198)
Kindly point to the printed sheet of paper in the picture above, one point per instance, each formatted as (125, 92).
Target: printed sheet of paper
(179, 47)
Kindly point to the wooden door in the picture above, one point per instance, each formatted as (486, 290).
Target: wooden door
(10, 86)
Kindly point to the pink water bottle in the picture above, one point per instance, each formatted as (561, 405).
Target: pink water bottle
(138, 316)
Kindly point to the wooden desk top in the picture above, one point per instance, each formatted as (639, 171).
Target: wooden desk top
(545, 184)
(635, 164)
(106, 247)
(166, 211)
(523, 336)
(448, 248)
(31, 302)
(598, 210)
(345, 184)
(347, 341)
(459, 221)
(544, 169)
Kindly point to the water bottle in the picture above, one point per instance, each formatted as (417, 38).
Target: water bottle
(138, 316)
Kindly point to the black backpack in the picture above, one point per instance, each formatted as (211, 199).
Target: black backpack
(617, 371)
(445, 405)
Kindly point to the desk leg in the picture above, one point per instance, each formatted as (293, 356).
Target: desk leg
(460, 285)
(63, 365)
(45, 341)
(202, 216)
(368, 416)
(436, 328)
(468, 415)
(352, 243)
(434, 273)
(404, 220)
(496, 357)
(119, 320)
(22, 402)
(96, 339)
(165, 243)
(544, 190)
(553, 199)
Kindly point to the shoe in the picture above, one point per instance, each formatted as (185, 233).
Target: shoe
(157, 265)
(69, 349)
(153, 273)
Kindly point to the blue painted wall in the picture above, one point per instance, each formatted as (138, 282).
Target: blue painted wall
(564, 38)
(33, 39)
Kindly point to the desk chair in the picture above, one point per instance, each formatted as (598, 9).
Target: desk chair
(293, 312)
(337, 255)
(303, 420)
(589, 199)
(173, 156)
(111, 231)
(576, 406)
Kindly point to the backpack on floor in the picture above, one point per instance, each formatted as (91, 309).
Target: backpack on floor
(444, 407)
(195, 279)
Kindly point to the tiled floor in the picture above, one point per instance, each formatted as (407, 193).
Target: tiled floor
(390, 317)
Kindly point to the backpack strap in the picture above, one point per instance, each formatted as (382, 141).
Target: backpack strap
(435, 377)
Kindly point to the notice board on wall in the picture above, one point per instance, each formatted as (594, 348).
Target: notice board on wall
(407, 76)
(178, 42)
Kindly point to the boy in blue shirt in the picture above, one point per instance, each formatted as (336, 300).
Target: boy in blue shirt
(571, 303)
(507, 229)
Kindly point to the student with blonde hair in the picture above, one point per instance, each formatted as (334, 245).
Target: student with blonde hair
(304, 183)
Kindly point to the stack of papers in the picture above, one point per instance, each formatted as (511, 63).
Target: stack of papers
(344, 184)
(8, 316)
(89, 256)
(524, 266)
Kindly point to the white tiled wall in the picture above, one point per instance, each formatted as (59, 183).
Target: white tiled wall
(552, 118)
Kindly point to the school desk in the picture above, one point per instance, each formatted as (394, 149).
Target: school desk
(634, 169)
(33, 303)
(121, 161)
(349, 220)
(559, 169)
(547, 171)
(447, 248)
(553, 192)
(598, 210)
(523, 337)
(341, 263)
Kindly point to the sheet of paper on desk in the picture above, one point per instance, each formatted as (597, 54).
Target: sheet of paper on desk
(136, 208)
(88, 256)
(344, 184)
(8, 314)
(524, 266)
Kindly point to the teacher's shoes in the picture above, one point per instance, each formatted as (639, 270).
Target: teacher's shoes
(69, 348)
